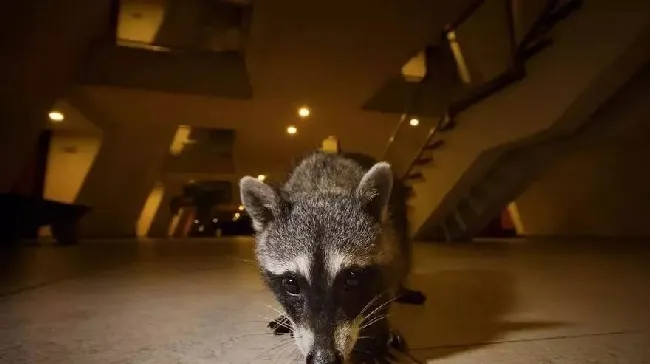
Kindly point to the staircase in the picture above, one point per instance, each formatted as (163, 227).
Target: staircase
(501, 125)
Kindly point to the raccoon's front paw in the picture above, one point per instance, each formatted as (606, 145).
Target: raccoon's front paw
(396, 341)
(281, 326)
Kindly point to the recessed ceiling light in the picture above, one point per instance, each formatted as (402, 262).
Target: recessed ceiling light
(414, 122)
(292, 130)
(196, 221)
(261, 177)
(237, 214)
(56, 116)
(304, 112)
(215, 220)
(241, 208)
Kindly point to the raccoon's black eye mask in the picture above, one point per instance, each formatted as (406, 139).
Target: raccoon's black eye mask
(290, 285)
(348, 280)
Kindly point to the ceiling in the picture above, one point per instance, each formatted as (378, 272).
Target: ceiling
(330, 55)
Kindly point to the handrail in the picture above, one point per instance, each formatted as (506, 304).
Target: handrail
(391, 139)
(405, 116)
(432, 132)
(514, 72)
(468, 12)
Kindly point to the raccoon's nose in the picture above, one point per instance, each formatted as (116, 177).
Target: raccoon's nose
(324, 357)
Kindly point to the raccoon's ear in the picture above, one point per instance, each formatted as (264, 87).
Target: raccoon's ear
(375, 188)
(260, 200)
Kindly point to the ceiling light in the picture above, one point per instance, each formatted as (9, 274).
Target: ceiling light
(292, 130)
(241, 207)
(196, 221)
(215, 220)
(261, 177)
(237, 215)
(414, 122)
(56, 116)
(201, 228)
(304, 112)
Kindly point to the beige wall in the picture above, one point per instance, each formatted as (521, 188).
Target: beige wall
(70, 157)
(601, 189)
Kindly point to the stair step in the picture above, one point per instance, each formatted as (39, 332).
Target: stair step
(435, 145)
(423, 161)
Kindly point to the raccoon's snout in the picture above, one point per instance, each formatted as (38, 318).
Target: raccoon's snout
(324, 357)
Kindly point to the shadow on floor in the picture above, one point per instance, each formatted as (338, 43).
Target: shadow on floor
(465, 310)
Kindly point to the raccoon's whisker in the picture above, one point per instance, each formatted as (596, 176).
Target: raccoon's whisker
(297, 355)
(276, 310)
(374, 321)
(286, 350)
(249, 261)
(283, 314)
(248, 335)
(225, 343)
(263, 322)
(274, 348)
(379, 308)
(370, 303)
(277, 322)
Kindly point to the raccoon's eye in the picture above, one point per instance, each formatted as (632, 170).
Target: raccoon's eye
(352, 280)
(291, 285)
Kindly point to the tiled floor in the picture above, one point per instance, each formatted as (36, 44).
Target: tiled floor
(200, 302)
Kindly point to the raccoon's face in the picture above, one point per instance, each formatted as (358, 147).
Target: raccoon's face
(323, 257)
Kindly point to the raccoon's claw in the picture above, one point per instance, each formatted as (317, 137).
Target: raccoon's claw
(410, 297)
(280, 326)
(396, 341)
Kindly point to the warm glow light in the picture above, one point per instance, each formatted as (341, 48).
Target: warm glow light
(241, 208)
(261, 177)
(215, 220)
(196, 221)
(56, 116)
(304, 112)
(237, 215)
(414, 122)
(201, 228)
(292, 129)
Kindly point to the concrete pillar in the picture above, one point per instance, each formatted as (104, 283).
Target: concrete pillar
(42, 43)
(160, 226)
(124, 173)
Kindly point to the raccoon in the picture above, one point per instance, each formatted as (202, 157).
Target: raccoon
(332, 244)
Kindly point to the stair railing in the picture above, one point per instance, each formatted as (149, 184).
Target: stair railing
(532, 42)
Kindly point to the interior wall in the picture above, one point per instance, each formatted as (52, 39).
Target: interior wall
(600, 189)
(69, 160)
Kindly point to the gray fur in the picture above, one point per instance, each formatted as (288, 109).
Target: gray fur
(324, 202)
(333, 211)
